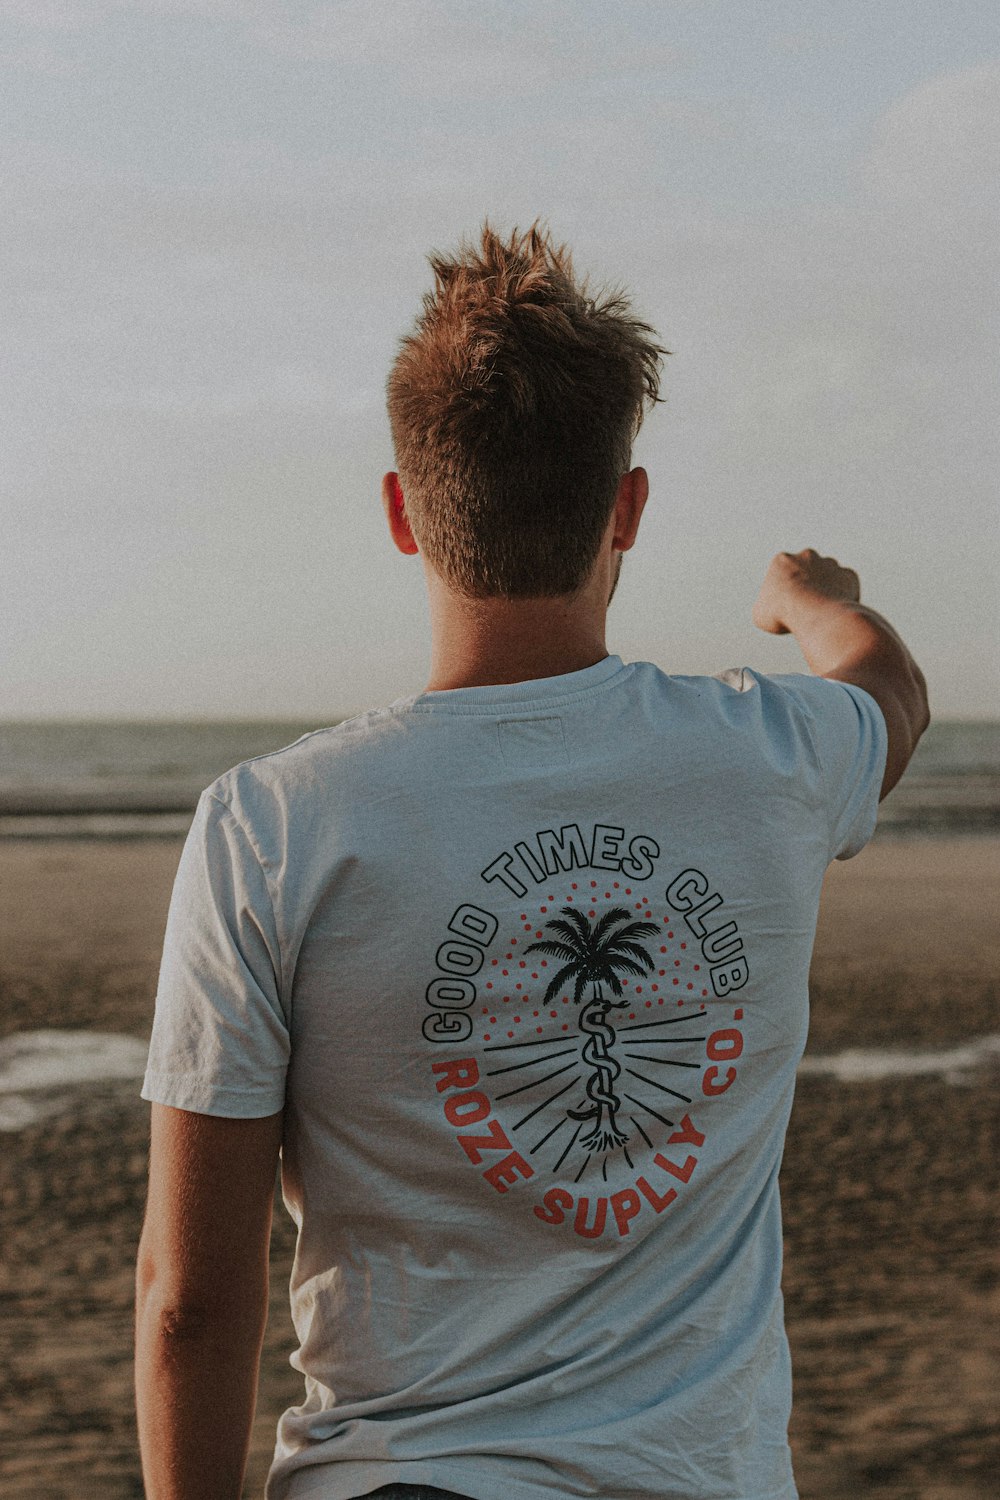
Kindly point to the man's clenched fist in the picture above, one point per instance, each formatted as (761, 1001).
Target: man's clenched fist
(794, 578)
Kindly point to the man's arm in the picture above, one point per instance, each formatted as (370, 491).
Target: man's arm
(819, 602)
(201, 1299)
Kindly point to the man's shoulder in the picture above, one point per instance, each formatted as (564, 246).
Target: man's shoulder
(804, 690)
(715, 687)
(721, 684)
(774, 708)
(648, 672)
(317, 763)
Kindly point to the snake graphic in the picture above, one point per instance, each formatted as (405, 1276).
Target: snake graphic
(600, 1084)
(590, 954)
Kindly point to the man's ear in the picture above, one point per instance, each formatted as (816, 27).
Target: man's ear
(395, 510)
(633, 492)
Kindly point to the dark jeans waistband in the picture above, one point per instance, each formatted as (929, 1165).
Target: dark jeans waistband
(412, 1492)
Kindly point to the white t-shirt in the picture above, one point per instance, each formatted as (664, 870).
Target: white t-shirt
(526, 967)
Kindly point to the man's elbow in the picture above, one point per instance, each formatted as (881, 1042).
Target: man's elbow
(907, 714)
(922, 703)
(173, 1318)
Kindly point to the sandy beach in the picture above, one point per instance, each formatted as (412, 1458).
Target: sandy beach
(889, 1189)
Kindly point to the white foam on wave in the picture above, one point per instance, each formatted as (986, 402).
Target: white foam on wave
(94, 825)
(858, 1065)
(43, 1072)
(35, 1064)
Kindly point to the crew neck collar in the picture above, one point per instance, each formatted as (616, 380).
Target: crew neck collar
(535, 691)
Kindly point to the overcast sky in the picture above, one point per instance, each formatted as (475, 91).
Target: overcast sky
(217, 214)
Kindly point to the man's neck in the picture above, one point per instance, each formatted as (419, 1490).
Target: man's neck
(484, 642)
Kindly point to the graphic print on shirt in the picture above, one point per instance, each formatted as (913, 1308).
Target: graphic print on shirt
(573, 1035)
(593, 953)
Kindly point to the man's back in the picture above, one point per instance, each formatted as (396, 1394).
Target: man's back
(526, 966)
(513, 977)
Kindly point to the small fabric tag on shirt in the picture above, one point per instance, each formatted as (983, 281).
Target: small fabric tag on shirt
(532, 743)
(735, 677)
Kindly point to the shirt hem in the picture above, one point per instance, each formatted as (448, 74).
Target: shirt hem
(461, 1481)
(233, 1104)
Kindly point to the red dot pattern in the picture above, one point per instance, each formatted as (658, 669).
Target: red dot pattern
(545, 910)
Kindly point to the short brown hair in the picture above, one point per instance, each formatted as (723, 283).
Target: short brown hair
(513, 406)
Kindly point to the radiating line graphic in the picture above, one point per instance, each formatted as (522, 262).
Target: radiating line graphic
(596, 956)
(533, 1112)
(529, 1062)
(543, 1041)
(650, 1111)
(663, 1062)
(534, 1082)
(661, 1086)
(667, 1021)
(664, 1041)
(568, 1148)
(548, 1134)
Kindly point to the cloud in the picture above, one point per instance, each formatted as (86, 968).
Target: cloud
(926, 240)
(54, 15)
(213, 314)
(80, 15)
(935, 157)
(865, 327)
(470, 48)
(34, 57)
(421, 44)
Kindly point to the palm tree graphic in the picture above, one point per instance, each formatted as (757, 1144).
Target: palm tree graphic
(592, 955)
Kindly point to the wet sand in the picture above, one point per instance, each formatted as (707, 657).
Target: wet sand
(889, 1186)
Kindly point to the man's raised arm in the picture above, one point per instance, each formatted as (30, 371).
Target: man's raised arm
(819, 602)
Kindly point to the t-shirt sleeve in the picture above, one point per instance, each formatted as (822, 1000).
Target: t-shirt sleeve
(220, 1041)
(852, 742)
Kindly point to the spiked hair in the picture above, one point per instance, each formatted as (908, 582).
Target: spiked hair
(513, 405)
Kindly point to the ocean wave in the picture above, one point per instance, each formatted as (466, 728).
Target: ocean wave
(44, 1073)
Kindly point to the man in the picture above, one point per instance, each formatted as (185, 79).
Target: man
(513, 972)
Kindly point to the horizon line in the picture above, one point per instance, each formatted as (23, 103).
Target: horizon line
(318, 721)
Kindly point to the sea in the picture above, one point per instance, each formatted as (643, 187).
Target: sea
(123, 779)
(118, 780)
